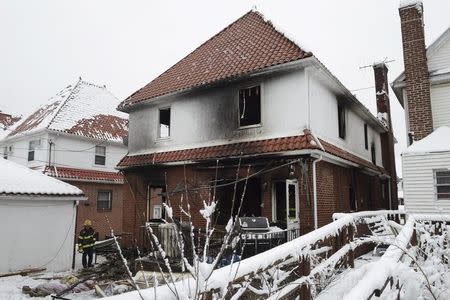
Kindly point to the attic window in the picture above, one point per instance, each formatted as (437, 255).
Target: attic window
(100, 155)
(341, 121)
(442, 185)
(250, 106)
(164, 123)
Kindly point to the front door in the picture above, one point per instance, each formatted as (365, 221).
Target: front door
(292, 211)
(286, 206)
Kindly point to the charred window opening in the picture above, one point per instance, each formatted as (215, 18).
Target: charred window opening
(250, 106)
(341, 121)
(164, 123)
(372, 151)
(366, 140)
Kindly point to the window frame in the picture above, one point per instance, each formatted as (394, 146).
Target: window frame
(99, 155)
(366, 136)
(32, 145)
(342, 123)
(159, 123)
(109, 200)
(247, 87)
(435, 184)
(373, 153)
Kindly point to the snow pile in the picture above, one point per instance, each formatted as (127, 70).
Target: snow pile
(18, 179)
(437, 141)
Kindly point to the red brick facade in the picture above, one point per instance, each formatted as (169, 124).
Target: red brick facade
(334, 185)
(88, 209)
(416, 71)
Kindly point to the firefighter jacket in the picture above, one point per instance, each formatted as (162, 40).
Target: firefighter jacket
(86, 239)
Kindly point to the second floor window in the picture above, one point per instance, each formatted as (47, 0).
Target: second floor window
(341, 121)
(250, 106)
(372, 151)
(32, 145)
(104, 200)
(100, 155)
(164, 123)
(366, 139)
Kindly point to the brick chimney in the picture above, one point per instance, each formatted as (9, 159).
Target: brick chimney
(416, 69)
(387, 138)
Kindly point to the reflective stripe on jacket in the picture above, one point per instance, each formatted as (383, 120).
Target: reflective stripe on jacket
(86, 239)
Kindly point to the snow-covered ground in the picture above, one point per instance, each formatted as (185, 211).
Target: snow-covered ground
(11, 288)
(345, 281)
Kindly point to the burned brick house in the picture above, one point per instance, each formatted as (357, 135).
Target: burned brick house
(252, 97)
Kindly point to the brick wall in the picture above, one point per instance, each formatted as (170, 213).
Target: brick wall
(333, 187)
(88, 209)
(416, 71)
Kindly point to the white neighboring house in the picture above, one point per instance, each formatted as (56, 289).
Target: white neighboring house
(427, 166)
(77, 137)
(37, 219)
(423, 89)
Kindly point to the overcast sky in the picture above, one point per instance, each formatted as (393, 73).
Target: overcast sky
(46, 45)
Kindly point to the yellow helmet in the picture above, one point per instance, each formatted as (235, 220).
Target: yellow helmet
(87, 222)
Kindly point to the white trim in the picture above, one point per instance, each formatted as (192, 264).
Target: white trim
(49, 197)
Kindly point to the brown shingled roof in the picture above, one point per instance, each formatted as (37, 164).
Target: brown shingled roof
(268, 146)
(249, 44)
(72, 174)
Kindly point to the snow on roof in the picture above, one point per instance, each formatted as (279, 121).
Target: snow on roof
(7, 122)
(84, 109)
(16, 179)
(438, 141)
(405, 3)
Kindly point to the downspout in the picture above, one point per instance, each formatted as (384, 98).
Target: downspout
(315, 191)
(390, 194)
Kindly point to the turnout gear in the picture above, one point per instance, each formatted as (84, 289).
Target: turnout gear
(86, 241)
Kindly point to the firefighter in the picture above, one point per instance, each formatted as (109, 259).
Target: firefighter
(86, 241)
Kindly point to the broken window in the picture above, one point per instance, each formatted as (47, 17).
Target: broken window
(341, 121)
(366, 140)
(100, 155)
(372, 151)
(104, 200)
(442, 185)
(32, 145)
(164, 123)
(250, 106)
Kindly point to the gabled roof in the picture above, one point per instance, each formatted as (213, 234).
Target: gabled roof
(83, 109)
(249, 44)
(16, 179)
(73, 174)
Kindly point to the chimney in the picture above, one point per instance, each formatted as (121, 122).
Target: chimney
(387, 138)
(416, 69)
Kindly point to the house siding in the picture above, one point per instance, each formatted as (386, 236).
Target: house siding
(440, 102)
(418, 182)
(441, 58)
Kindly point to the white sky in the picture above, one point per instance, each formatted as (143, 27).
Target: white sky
(46, 45)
